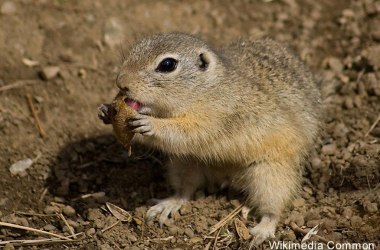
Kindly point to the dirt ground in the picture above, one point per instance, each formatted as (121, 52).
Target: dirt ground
(64, 55)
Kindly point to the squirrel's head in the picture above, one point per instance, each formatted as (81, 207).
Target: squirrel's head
(165, 73)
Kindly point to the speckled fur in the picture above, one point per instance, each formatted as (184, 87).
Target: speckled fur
(250, 118)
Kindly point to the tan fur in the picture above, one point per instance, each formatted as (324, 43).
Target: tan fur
(249, 118)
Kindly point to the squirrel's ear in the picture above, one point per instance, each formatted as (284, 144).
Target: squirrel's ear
(204, 60)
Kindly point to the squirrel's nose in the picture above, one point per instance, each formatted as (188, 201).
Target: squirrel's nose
(123, 88)
(120, 84)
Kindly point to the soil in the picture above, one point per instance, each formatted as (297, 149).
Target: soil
(65, 55)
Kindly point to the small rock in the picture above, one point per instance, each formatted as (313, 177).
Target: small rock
(288, 235)
(68, 229)
(185, 209)
(316, 162)
(8, 8)
(173, 230)
(69, 211)
(49, 72)
(20, 167)
(94, 214)
(9, 246)
(312, 223)
(299, 202)
(51, 210)
(189, 232)
(90, 232)
(49, 227)
(347, 212)
(374, 56)
(196, 240)
(329, 149)
(356, 221)
(370, 207)
(329, 224)
(297, 218)
(348, 103)
(312, 214)
(131, 237)
(335, 64)
(105, 247)
(72, 223)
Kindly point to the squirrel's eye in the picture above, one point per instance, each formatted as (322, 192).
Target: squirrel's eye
(167, 65)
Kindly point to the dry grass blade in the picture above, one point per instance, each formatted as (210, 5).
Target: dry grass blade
(160, 240)
(311, 232)
(226, 219)
(67, 225)
(297, 229)
(373, 126)
(119, 213)
(111, 226)
(18, 84)
(35, 116)
(5, 224)
(216, 240)
(36, 242)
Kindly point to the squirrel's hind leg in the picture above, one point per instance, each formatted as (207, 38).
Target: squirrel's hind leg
(185, 176)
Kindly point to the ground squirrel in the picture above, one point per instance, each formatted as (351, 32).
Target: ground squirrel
(245, 114)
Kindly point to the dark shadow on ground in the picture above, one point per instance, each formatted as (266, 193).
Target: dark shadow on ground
(101, 166)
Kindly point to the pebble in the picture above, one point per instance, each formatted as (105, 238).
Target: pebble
(9, 246)
(299, 202)
(185, 209)
(348, 103)
(131, 237)
(297, 218)
(20, 167)
(189, 232)
(312, 223)
(329, 224)
(69, 211)
(173, 230)
(329, 149)
(49, 227)
(288, 236)
(105, 247)
(356, 221)
(49, 72)
(335, 64)
(51, 210)
(94, 214)
(374, 55)
(316, 162)
(67, 229)
(8, 8)
(72, 223)
(91, 232)
(370, 207)
(195, 240)
(312, 215)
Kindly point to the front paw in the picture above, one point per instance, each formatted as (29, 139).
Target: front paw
(105, 113)
(142, 124)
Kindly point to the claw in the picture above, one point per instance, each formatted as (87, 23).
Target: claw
(165, 208)
(105, 113)
(141, 124)
(264, 230)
